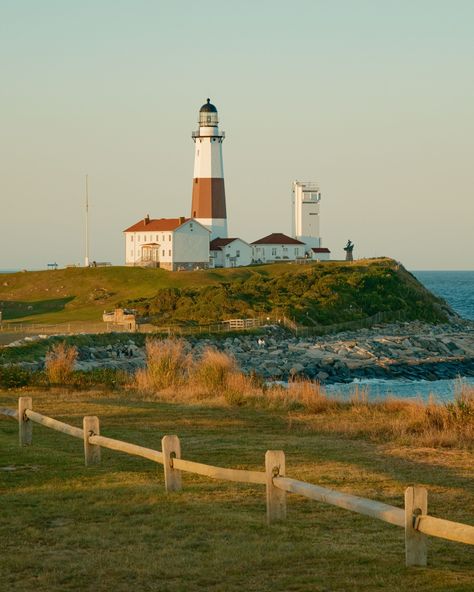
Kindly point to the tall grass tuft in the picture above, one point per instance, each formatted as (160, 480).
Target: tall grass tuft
(167, 366)
(59, 363)
(213, 370)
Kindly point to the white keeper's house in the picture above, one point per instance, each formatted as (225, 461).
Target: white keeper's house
(230, 252)
(277, 247)
(171, 243)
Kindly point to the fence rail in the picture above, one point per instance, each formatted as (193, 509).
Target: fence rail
(413, 518)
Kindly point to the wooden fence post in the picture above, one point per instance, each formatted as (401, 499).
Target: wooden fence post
(25, 425)
(91, 451)
(416, 504)
(171, 448)
(276, 498)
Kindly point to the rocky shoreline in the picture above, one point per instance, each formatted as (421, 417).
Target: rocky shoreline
(412, 351)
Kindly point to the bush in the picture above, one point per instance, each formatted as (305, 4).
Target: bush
(59, 363)
(167, 365)
(14, 377)
(110, 378)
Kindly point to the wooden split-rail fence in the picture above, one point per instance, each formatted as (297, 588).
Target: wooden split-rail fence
(414, 518)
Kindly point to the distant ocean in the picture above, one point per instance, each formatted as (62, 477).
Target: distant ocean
(457, 288)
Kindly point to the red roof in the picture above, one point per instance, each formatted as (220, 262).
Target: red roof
(218, 243)
(321, 250)
(157, 225)
(277, 238)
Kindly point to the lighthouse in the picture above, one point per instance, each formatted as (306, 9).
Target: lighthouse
(208, 201)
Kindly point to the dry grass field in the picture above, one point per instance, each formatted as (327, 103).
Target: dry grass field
(113, 527)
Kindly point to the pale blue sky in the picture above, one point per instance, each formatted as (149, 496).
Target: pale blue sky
(372, 98)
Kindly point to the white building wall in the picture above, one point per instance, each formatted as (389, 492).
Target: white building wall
(191, 244)
(267, 253)
(320, 256)
(135, 240)
(236, 254)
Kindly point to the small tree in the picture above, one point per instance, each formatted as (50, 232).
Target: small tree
(59, 363)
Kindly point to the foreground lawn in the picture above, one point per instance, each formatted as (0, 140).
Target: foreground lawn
(112, 527)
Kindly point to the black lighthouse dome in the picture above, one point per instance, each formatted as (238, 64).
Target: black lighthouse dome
(208, 115)
(208, 107)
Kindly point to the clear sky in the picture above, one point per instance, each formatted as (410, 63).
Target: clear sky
(372, 98)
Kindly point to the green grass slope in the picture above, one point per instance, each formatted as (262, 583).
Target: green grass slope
(313, 294)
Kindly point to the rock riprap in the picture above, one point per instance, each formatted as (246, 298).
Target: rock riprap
(404, 350)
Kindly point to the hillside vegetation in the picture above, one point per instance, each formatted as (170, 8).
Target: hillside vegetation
(313, 294)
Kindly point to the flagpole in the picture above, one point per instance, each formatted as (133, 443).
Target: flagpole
(86, 260)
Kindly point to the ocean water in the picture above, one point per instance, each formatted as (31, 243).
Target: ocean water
(457, 288)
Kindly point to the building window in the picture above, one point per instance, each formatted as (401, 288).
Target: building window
(163, 251)
(285, 249)
(131, 252)
(156, 238)
(237, 253)
(163, 238)
(131, 239)
(144, 238)
(274, 251)
(169, 252)
(296, 251)
(169, 237)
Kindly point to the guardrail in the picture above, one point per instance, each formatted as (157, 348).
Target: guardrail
(413, 518)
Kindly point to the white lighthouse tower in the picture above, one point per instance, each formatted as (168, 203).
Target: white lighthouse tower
(306, 199)
(208, 202)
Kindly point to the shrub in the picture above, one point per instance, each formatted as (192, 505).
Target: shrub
(59, 363)
(14, 377)
(167, 365)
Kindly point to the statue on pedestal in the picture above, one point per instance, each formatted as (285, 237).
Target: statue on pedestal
(348, 249)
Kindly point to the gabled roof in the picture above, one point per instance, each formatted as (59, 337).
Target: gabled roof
(157, 225)
(277, 238)
(321, 250)
(219, 243)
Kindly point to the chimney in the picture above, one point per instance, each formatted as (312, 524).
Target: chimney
(146, 220)
(181, 220)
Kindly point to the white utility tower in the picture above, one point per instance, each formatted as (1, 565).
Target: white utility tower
(306, 198)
